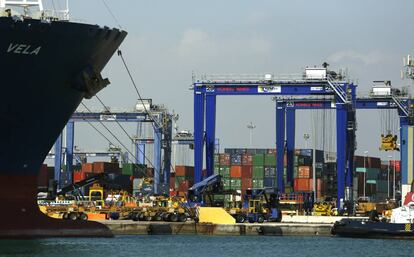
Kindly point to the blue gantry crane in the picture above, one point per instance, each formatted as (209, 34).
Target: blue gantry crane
(376, 101)
(162, 129)
(314, 81)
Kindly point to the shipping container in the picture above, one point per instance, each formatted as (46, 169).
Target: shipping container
(258, 159)
(269, 182)
(304, 172)
(247, 159)
(247, 172)
(270, 160)
(258, 172)
(235, 171)
(87, 167)
(246, 183)
(226, 183)
(225, 171)
(224, 159)
(184, 171)
(235, 183)
(236, 159)
(257, 183)
(269, 171)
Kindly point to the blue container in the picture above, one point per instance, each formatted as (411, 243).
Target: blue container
(236, 159)
(270, 171)
(269, 182)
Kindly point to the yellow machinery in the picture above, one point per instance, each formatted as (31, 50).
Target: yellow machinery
(323, 209)
(389, 143)
(96, 193)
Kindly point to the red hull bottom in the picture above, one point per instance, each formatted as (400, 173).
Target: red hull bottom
(20, 216)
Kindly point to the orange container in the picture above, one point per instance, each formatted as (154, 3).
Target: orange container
(184, 171)
(87, 167)
(78, 176)
(301, 184)
(236, 171)
(304, 172)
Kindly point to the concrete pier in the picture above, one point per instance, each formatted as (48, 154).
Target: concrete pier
(127, 227)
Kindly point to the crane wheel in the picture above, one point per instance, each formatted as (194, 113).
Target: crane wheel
(65, 216)
(135, 216)
(182, 217)
(173, 217)
(166, 216)
(83, 216)
(260, 219)
(148, 218)
(240, 218)
(157, 217)
(141, 216)
(73, 216)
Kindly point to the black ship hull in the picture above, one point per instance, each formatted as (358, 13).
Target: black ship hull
(46, 69)
(372, 229)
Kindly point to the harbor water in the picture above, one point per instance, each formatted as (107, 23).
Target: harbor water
(205, 246)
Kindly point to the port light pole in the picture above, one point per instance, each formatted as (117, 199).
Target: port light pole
(251, 126)
(365, 171)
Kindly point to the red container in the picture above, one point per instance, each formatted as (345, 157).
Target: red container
(184, 171)
(184, 186)
(304, 172)
(247, 172)
(87, 167)
(301, 185)
(396, 164)
(236, 171)
(247, 159)
(224, 159)
(318, 184)
(78, 176)
(246, 183)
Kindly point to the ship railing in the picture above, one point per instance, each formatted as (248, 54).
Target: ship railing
(48, 15)
(55, 15)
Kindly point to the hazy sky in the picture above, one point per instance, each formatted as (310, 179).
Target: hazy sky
(169, 39)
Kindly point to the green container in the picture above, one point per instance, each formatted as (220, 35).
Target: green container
(270, 160)
(219, 197)
(257, 183)
(258, 172)
(226, 183)
(130, 169)
(258, 159)
(216, 169)
(295, 171)
(224, 171)
(295, 160)
(235, 183)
